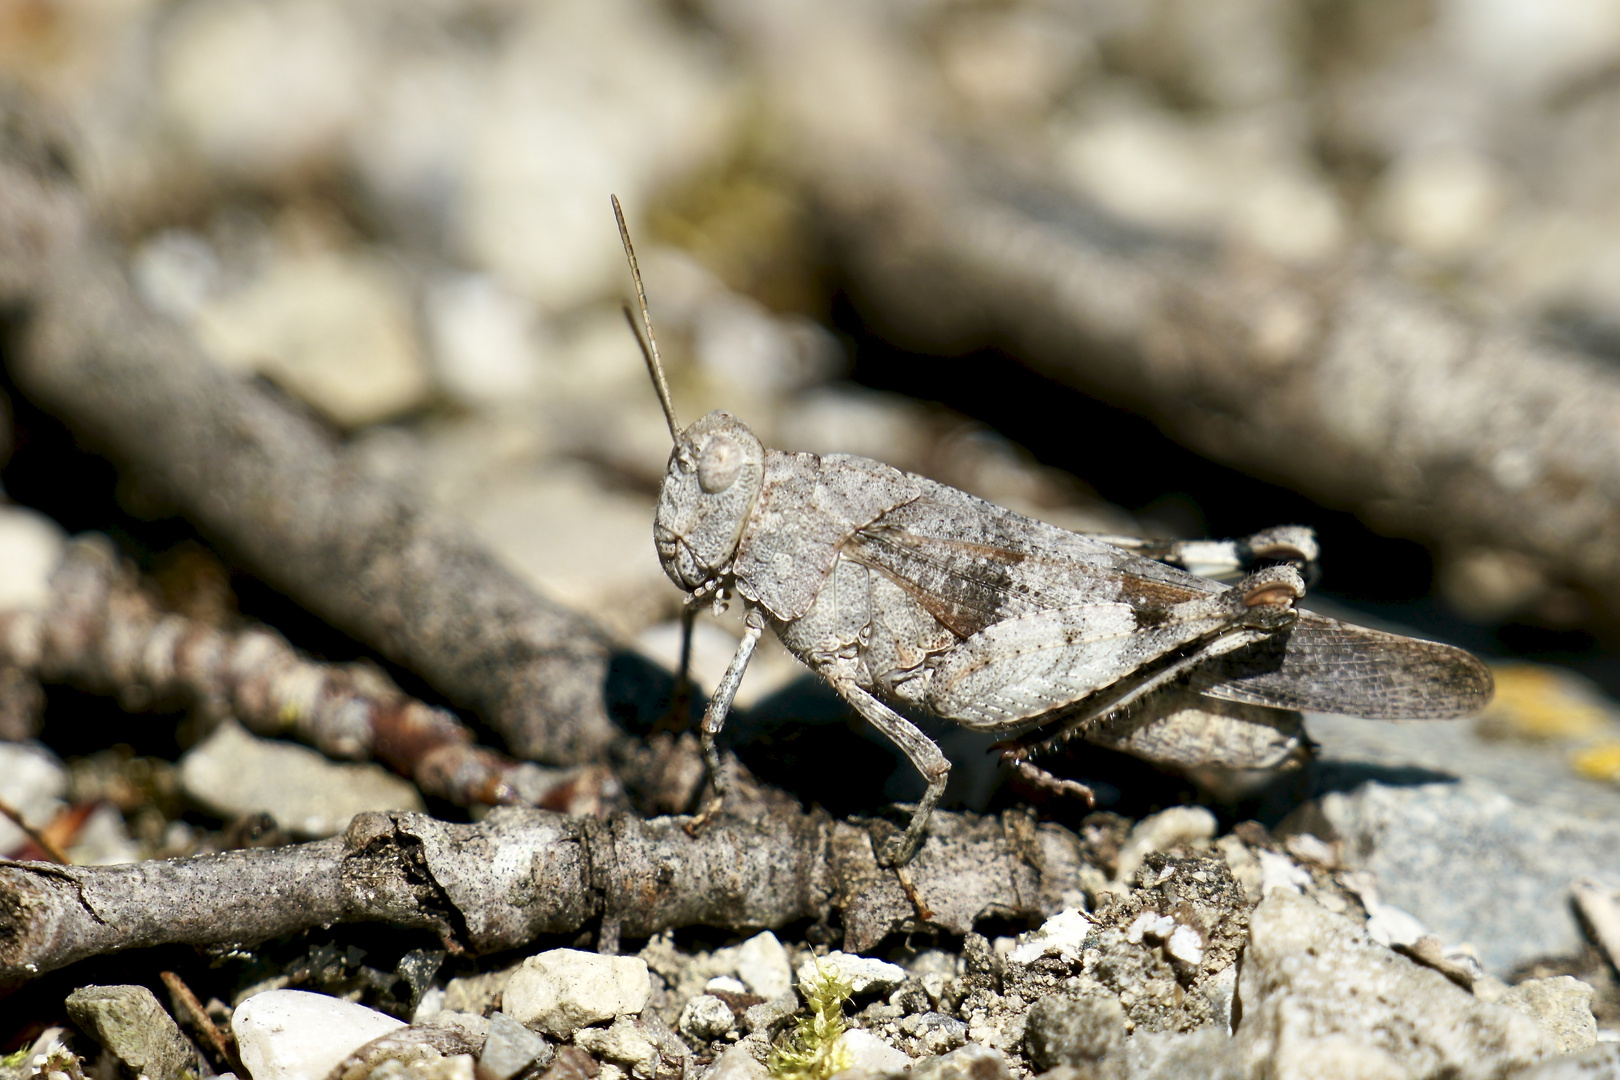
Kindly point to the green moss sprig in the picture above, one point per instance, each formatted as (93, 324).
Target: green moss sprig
(811, 1051)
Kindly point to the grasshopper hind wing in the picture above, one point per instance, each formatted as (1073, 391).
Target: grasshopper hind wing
(1323, 665)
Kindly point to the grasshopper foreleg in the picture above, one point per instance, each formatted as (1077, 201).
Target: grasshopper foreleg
(714, 717)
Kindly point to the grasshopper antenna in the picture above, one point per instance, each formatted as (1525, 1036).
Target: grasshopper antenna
(649, 343)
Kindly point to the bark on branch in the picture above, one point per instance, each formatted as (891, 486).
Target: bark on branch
(1342, 383)
(268, 484)
(522, 873)
(103, 633)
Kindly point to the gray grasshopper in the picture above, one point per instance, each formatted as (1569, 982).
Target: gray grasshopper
(898, 589)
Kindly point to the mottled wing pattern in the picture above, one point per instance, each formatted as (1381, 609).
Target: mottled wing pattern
(1323, 665)
(1028, 666)
(973, 564)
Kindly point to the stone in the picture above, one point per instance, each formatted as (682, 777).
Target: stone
(1207, 1054)
(971, 1062)
(1441, 201)
(737, 1064)
(706, 1018)
(624, 1042)
(1074, 1030)
(485, 341)
(103, 839)
(582, 100)
(1165, 949)
(334, 328)
(560, 991)
(233, 772)
(1473, 865)
(442, 1067)
(1160, 832)
(476, 993)
(866, 1053)
(571, 1063)
(131, 1025)
(31, 548)
(424, 1052)
(864, 974)
(932, 1033)
(768, 1014)
(1601, 1062)
(1561, 1005)
(1317, 990)
(34, 782)
(763, 964)
(1061, 936)
(265, 88)
(297, 1035)
(511, 1048)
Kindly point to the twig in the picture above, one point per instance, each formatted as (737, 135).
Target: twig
(43, 842)
(103, 633)
(268, 485)
(192, 1011)
(521, 873)
(1342, 383)
(1600, 910)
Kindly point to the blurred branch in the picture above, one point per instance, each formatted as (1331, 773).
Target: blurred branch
(269, 485)
(103, 633)
(1342, 382)
(522, 873)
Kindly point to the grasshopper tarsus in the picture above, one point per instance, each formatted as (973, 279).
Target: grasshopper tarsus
(1055, 784)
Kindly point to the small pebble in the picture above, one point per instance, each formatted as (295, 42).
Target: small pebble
(865, 975)
(560, 991)
(296, 1035)
(130, 1023)
(868, 1052)
(705, 1018)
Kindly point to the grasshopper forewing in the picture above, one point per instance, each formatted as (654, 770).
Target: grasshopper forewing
(902, 591)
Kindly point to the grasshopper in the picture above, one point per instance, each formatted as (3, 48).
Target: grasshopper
(897, 589)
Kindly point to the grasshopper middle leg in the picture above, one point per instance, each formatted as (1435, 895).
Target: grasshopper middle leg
(924, 754)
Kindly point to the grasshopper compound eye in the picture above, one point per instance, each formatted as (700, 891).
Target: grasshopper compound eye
(719, 464)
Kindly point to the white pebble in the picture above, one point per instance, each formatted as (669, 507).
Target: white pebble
(560, 991)
(1062, 936)
(296, 1035)
(1185, 945)
(865, 975)
(871, 1054)
(31, 547)
(762, 963)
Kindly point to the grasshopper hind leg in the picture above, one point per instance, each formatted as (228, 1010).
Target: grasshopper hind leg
(929, 760)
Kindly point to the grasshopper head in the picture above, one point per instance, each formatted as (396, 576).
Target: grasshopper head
(714, 476)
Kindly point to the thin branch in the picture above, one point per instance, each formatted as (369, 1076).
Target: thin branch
(522, 873)
(102, 632)
(1340, 382)
(267, 484)
(41, 841)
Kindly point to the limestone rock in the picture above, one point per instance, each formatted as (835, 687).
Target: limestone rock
(1317, 989)
(560, 991)
(133, 1027)
(1074, 1030)
(865, 975)
(1476, 866)
(297, 1035)
(1562, 1006)
(233, 772)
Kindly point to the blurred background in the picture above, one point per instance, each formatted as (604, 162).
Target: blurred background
(397, 213)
